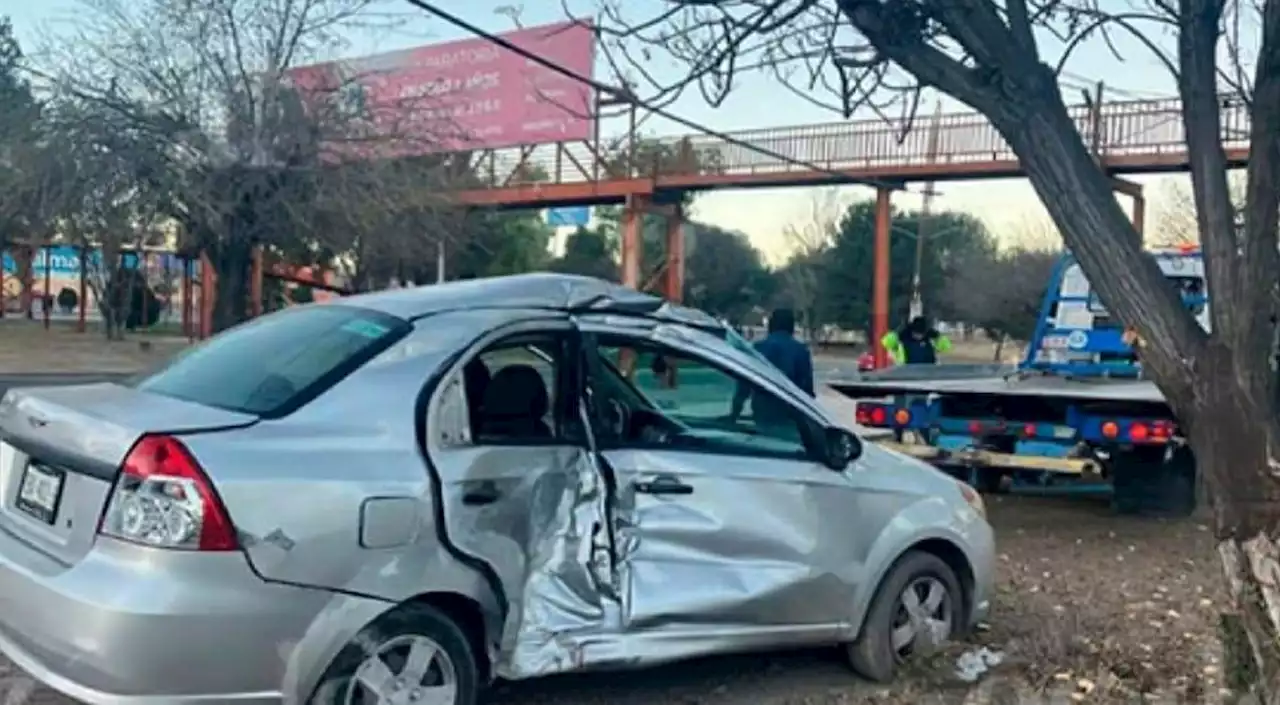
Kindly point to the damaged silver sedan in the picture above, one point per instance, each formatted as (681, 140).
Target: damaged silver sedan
(399, 497)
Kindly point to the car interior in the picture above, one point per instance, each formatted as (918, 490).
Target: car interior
(509, 391)
(510, 397)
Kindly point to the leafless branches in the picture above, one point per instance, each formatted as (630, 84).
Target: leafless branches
(1002, 291)
(241, 134)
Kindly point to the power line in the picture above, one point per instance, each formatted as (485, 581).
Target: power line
(615, 91)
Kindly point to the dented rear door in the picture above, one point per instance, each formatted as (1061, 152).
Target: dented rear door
(531, 511)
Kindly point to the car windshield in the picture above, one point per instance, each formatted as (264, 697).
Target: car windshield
(275, 364)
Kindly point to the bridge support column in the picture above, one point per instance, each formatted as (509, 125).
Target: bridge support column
(673, 287)
(632, 222)
(1133, 190)
(880, 278)
(1140, 214)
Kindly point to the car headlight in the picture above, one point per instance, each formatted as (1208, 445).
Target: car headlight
(973, 499)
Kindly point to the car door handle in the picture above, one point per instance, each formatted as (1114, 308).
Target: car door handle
(663, 484)
(484, 493)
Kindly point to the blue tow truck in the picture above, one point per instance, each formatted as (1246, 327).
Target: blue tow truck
(1075, 411)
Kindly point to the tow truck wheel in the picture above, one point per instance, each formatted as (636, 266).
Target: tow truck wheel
(989, 481)
(1154, 482)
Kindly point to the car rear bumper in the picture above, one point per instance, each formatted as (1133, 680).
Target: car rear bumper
(128, 624)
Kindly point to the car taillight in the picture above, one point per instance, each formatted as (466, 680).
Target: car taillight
(163, 499)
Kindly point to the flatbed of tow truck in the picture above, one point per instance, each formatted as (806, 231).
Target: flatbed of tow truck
(1012, 384)
(1076, 407)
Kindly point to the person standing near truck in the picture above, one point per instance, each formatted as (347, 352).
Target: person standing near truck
(781, 348)
(789, 355)
(917, 343)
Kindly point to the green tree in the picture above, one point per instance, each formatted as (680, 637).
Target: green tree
(497, 243)
(847, 277)
(725, 275)
(592, 251)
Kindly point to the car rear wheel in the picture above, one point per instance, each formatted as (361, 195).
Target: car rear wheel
(414, 655)
(918, 606)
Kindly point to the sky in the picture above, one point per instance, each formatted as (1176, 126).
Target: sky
(1009, 207)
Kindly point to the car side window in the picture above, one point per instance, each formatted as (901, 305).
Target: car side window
(659, 396)
(512, 391)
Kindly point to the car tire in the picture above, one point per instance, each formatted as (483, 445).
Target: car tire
(874, 655)
(393, 637)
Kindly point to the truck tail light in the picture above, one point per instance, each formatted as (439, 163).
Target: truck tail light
(871, 415)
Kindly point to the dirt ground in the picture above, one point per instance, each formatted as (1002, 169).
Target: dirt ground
(27, 348)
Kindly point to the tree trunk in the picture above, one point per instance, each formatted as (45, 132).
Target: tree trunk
(1231, 430)
(232, 260)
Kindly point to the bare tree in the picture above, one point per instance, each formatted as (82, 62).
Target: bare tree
(875, 54)
(102, 205)
(802, 275)
(255, 149)
(1001, 292)
(1175, 214)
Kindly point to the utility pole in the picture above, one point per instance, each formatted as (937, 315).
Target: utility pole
(925, 223)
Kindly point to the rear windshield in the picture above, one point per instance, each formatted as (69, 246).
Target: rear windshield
(275, 364)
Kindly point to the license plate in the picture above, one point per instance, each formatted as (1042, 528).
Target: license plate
(40, 492)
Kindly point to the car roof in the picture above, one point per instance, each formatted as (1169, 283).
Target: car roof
(538, 290)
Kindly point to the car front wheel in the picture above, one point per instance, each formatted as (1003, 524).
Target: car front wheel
(414, 655)
(918, 606)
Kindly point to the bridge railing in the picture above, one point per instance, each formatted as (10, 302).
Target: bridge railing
(1127, 129)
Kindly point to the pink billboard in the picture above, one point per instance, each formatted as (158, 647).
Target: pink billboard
(468, 94)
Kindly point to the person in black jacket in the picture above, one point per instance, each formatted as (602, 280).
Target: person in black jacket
(789, 355)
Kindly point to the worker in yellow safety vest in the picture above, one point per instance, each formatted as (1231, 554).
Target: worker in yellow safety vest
(916, 343)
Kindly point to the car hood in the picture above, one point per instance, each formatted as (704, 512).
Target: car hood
(908, 474)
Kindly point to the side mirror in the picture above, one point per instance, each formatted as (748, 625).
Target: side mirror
(841, 448)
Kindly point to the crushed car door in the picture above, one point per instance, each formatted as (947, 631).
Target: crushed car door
(520, 492)
(720, 523)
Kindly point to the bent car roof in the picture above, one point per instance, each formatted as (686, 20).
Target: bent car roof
(544, 290)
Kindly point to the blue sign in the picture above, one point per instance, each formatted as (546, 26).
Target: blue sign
(64, 261)
(573, 216)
